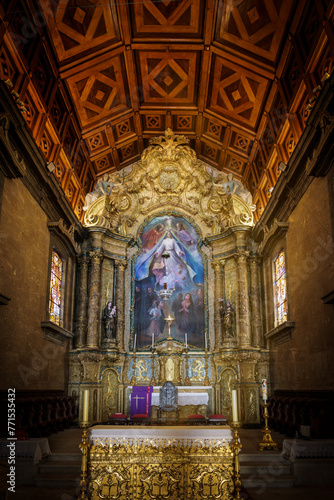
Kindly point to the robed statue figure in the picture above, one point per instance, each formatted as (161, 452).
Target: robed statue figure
(109, 319)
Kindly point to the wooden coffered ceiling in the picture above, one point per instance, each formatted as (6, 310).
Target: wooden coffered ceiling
(99, 78)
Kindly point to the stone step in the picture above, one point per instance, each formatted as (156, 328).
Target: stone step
(261, 457)
(63, 480)
(65, 457)
(264, 468)
(264, 481)
(59, 467)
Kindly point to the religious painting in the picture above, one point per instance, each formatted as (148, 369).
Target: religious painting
(169, 260)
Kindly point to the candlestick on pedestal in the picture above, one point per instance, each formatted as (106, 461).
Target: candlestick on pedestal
(153, 381)
(84, 447)
(206, 378)
(267, 441)
(236, 446)
(187, 379)
(133, 378)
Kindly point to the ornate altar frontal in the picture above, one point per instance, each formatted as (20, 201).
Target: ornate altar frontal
(174, 463)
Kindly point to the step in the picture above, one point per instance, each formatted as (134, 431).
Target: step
(263, 468)
(268, 481)
(65, 457)
(261, 457)
(63, 480)
(60, 467)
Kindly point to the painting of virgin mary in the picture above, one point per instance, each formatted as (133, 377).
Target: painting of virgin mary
(170, 258)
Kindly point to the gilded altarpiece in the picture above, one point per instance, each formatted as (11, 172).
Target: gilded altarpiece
(169, 195)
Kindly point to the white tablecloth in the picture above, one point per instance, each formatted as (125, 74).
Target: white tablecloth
(36, 448)
(186, 396)
(160, 434)
(293, 449)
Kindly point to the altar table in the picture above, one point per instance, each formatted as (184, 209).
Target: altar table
(322, 448)
(155, 462)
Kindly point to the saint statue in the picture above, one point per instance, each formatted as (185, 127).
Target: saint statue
(109, 318)
(227, 316)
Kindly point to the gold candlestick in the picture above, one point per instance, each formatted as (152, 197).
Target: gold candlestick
(153, 381)
(236, 446)
(84, 447)
(267, 441)
(187, 379)
(133, 378)
(206, 379)
(169, 320)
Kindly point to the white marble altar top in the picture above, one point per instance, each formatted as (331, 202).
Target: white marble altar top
(166, 434)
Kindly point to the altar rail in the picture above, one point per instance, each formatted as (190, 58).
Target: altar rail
(288, 410)
(40, 413)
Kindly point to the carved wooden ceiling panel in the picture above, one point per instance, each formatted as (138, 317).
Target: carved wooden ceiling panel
(99, 78)
(253, 26)
(77, 27)
(235, 92)
(172, 18)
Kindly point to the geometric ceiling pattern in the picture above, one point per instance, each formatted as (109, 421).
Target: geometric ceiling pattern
(99, 78)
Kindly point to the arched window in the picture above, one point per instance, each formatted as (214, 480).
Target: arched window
(55, 297)
(280, 291)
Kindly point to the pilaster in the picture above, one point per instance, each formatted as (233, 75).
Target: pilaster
(94, 305)
(243, 302)
(255, 302)
(120, 275)
(83, 263)
(218, 267)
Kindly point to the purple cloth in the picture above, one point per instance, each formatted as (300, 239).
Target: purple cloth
(141, 398)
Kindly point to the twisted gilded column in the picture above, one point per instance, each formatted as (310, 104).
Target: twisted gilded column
(255, 302)
(82, 301)
(244, 316)
(94, 305)
(120, 278)
(218, 269)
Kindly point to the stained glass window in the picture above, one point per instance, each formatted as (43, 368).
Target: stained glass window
(55, 288)
(280, 289)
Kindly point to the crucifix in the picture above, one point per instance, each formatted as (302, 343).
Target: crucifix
(136, 398)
